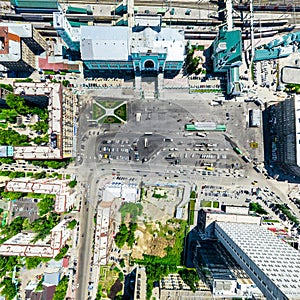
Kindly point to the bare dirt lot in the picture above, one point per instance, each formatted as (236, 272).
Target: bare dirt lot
(153, 238)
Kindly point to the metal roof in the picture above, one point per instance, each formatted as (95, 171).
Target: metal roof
(274, 258)
(227, 50)
(104, 43)
(35, 4)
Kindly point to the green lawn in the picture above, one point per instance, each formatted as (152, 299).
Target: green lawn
(121, 112)
(97, 112)
(205, 203)
(109, 103)
(110, 120)
(191, 211)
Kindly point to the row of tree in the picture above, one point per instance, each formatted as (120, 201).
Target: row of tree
(126, 235)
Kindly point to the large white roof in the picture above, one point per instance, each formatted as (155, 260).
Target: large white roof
(168, 40)
(104, 43)
(275, 258)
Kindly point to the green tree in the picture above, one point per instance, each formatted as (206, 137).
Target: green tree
(40, 126)
(9, 289)
(121, 236)
(61, 289)
(8, 87)
(16, 175)
(130, 238)
(46, 205)
(120, 240)
(13, 228)
(256, 207)
(12, 138)
(7, 160)
(12, 195)
(43, 225)
(17, 103)
(66, 83)
(63, 251)
(32, 262)
(39, 175)
(7, 264)
(72, 224)
(41, 139)
(133, 209)
(190, 277)
(72, 183)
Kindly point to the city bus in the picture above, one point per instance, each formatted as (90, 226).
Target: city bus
(238, 150)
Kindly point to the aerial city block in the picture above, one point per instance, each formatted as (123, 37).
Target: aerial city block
(149, 150)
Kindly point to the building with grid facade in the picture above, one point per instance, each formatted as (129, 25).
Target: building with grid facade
(273, 265)
(286, 131)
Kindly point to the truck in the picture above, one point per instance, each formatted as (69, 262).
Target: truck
(138, 117)
(246, 159)
(257, 169)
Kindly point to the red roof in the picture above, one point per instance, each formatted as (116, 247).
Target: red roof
(65, 262)
(45, 65)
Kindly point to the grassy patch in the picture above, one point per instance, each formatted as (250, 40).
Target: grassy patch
(191, 211)
(271, 221)
(216, 204)
(108, 277)
(205, 203)
(205, 91)
(121, 112)
(157, 267)
(109, 103)
(110, 120)
(98, 112)
(256, 207)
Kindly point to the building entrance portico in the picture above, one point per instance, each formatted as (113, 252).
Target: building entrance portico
(149, 64)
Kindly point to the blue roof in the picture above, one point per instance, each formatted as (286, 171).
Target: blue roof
(52, 278)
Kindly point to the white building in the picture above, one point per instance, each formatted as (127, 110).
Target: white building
(21, 244)
(117, 189)
(64, 195)
(272, 264)
(101, 236)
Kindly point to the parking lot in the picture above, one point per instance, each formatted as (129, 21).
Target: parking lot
(155, 135)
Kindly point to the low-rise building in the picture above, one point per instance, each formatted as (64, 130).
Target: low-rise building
(22, 243)
(64, 195)
(118, 189)
(254, 118)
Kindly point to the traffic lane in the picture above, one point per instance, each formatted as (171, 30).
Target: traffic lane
(87, 237)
